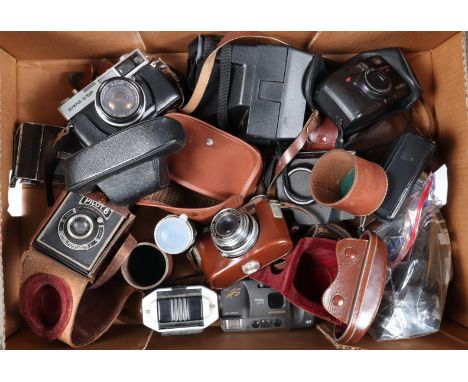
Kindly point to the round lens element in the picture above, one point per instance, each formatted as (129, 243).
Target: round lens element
(378, 81)
(234, 232)
(174, 234)
(227, 223)
(80, 226)
(120, 100)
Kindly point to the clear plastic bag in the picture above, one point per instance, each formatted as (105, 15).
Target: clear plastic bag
(419, 272)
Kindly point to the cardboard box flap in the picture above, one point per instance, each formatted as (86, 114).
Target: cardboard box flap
(57, 45)
(351, 42)
(167, 42)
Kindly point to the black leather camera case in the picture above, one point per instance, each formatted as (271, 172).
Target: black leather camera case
(127, 165)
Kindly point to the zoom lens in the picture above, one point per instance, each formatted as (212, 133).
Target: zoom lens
(234, 232)
(377, 81)
(120, 101)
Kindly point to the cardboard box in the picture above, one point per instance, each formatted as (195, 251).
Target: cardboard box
(33, 70)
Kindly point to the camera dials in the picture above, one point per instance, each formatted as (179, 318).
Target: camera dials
(78, 232)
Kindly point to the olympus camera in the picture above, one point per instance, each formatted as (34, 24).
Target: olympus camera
(134, 89)
(242, 241)
(180, 310)
(251, 306)
(365, 88)
(82, 231)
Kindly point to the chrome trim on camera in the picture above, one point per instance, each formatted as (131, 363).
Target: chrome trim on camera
(86, 96)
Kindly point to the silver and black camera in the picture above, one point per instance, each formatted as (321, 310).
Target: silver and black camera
(134, 89)
(180, 310)
(251, 306)
(81, 232)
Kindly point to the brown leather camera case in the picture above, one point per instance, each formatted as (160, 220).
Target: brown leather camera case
(273, 243)
(218, 167)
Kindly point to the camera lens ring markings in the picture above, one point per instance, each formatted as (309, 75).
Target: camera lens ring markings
(71, 230)
(75, 242)
(374, 78)
(238, 241)
(123, 93)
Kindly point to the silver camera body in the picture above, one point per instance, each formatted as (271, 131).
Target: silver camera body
(134, 89)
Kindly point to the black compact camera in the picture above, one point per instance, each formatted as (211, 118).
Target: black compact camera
(409, 157)
(258, 92)
(251, 306)
(81, 232)
(367, 87)
(134, 89)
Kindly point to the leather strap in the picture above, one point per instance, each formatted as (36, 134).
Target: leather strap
(116, 263)
(71, 312)
(208, 66)
(354, 297)
(324, 137)
(293, 149)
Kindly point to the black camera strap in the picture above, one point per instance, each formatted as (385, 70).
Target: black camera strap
(225, 58)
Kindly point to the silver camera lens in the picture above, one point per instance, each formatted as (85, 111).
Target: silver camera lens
(80, 226)
(120, 101)
(234, 232)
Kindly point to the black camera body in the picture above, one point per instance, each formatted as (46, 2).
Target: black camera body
(367, 87)
(133, 90)
(81, 232)
(251, 306)
(407, 160)
(257, 92)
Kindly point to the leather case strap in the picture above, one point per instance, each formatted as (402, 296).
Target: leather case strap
(324, 137)
(293, 149)
(354, 297)
(58, 305)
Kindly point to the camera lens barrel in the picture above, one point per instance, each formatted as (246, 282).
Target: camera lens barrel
(234, 232)
(120, 101)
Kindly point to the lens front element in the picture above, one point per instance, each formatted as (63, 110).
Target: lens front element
(120, 101)
(234, 232)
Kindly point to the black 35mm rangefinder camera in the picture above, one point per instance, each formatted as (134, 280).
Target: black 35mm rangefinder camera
(251, 306)
(134, 89)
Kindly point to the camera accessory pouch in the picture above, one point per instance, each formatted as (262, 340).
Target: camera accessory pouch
(59, 304)
(341, 282)
(129, 164)
(368, 183)
(215, 169)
